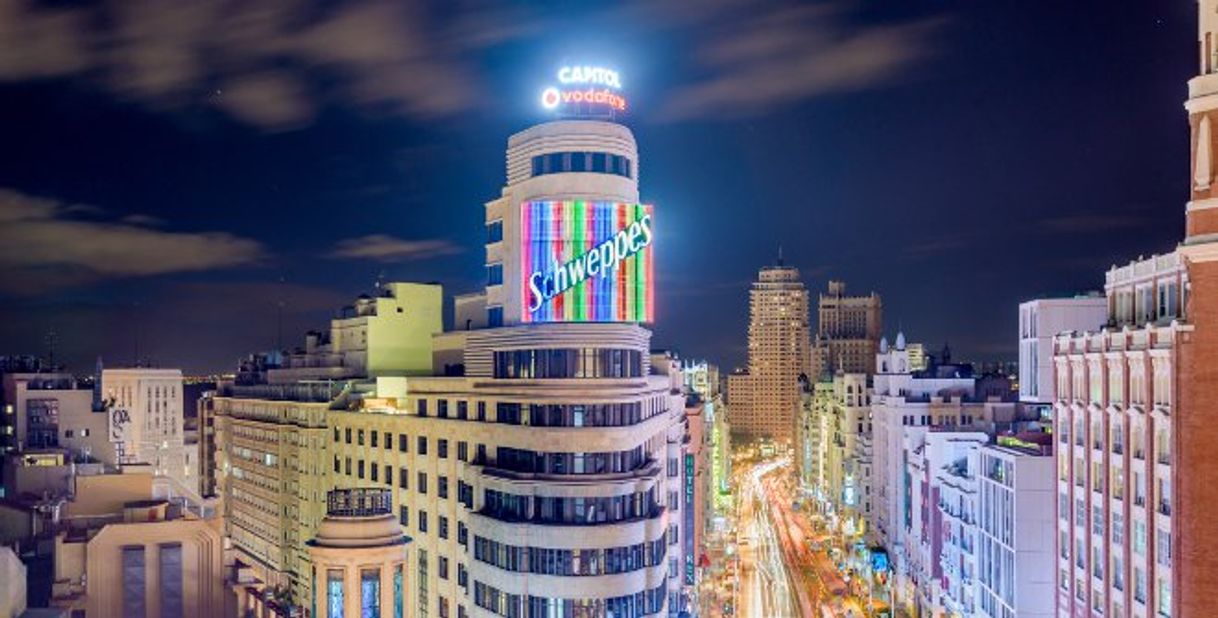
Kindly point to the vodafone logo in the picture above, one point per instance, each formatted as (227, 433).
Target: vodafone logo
(550, 97)
(585, 91)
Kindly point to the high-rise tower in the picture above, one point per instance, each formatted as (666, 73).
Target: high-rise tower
(847, 331)
(764, 400)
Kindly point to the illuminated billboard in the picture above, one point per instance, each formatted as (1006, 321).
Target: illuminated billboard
(585, 91)
(586, 261)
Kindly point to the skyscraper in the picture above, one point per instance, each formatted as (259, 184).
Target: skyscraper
(764, 400)
(847, 331)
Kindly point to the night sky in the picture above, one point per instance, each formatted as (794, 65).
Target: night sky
(192, 181)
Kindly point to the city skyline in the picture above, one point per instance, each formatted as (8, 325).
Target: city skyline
(261, 198)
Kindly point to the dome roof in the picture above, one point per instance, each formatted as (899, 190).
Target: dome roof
(900, 340)
(883, 345)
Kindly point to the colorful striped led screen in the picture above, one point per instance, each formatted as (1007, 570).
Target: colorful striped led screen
(565, 246)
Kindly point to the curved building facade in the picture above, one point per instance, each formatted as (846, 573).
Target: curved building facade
(541, 474)
(561, 161)
(540, 469)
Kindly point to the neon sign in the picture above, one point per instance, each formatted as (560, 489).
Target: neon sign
(586, 261)
(585, 90)
(590, 75)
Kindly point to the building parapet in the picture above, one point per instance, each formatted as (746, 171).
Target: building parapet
(305, 392)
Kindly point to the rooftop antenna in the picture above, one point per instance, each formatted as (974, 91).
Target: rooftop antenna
(780, 254)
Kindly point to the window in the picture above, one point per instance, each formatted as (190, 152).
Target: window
(443, 522)
(337, 466)
(375, 471)
(334, 593)
(463, 451)
(403, 478)
(422, 446)
(370, 592)
(422, 486)
(171, 583)
(494, 317)
(133, 580)
(422, 521)
(348, 434)
(494, 231)
(1163, 547)
(442, 408)
(374, 434)
(360, 469)
(442, 486)
(442, 448)
(403, 443)
(462, 410)
(404, 515)
(422, 407)
(482, 407)
(360, 437)
(494, 274)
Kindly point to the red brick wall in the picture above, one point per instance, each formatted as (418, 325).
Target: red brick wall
(1195, 473)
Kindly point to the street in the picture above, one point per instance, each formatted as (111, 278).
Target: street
(780, 574)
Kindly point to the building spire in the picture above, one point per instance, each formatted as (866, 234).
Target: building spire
(780, 254)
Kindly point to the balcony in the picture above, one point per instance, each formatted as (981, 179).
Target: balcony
(1139, 500)
(1164, 458)
(1165, 507)
(1118, 448)
(1139, 454)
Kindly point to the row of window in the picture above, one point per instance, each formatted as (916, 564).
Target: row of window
(595, 162)
(403, 441)
(570, 562)
(519, 606)
(570, 511)
(520, 460)
(569, 363)
(572, 415)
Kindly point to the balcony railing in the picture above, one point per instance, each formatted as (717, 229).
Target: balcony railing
(1165, 507)
(359, 502)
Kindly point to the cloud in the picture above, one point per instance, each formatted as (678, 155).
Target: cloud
(268, 63)
(385, 248)
(1079, 224)
(45, 245)
(774, 57)
(143, 220)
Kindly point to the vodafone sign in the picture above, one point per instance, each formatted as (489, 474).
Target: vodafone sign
(585, 91)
